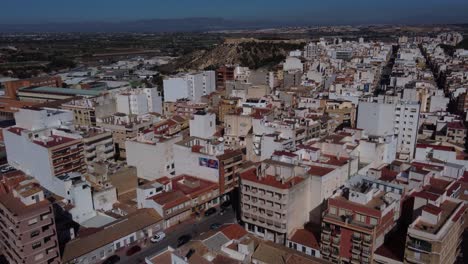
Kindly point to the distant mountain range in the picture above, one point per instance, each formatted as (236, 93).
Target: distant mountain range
(150, 25)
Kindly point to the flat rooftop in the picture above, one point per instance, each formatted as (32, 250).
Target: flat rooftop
(61, 91)
(446, 210)
(270, 180)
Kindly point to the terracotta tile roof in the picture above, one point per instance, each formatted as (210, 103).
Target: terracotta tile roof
(229, 154)
(305, 237)
(270, 180)
(388, 175)
(16, 130)
(284, 153)
(439, 183)
(220, 259)
(234, 231)
(456, 125)
(170, 199)
(54, 141)
(308, 147)
(163, 180)
(436, 147)
(432, 209)
(18, 208)
(319, 171)
(131, 223)
(426, 195)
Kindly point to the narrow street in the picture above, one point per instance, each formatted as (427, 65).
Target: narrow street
(194, 228)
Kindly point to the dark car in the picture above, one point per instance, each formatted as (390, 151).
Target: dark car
(133, 250)
(215, 226)
(226, 204)
(210, 211)
(112, 260)
(184, 239)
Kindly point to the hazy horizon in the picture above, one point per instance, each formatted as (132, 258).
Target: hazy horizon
(333, 12)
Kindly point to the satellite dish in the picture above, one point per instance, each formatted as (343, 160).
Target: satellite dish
(220, 139)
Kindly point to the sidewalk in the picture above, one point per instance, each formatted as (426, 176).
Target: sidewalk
(192, 220)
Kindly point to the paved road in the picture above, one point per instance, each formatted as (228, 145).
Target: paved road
(195, 229)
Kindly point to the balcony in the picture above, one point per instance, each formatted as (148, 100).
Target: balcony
(356, 239)
(420, 260)
(420, 248)
(73, 167)
(326, 238)
(61, 154)
(356, 250)
(325, 252)
(64, 161)
(336, 241)
(367, 241)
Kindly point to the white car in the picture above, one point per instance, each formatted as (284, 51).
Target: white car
(158, 237)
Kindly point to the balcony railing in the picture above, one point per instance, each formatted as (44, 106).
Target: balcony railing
(420, 247)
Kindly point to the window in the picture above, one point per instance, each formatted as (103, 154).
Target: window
(361, 218)
(38, 257)
(32, 221)
(34, 233)
(333, 210)
(373, 221)
(36, 244)
(342, 212)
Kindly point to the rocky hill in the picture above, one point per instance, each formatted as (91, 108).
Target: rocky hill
(253, 54)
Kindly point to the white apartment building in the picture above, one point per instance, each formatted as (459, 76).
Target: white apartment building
(203, 125)
(139, 101)
(152, 156)
(42, 146)
(400, 118)
(293, 64)
(208, 160)
(37, 119)
(406, 124)
(190, 86)
(273, 199)
(311, 50)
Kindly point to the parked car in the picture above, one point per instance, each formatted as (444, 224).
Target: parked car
(210, 211)
(158, 237)
(184, 239)
(112, 260)
(133, 250)
(215, 226)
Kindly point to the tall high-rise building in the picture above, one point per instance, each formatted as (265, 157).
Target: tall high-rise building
(28, 234)
(223, 74)
(189, 86)
(356, 222)
(384, 118)
(435, 236)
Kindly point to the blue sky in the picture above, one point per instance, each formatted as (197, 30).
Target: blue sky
(314, 11)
